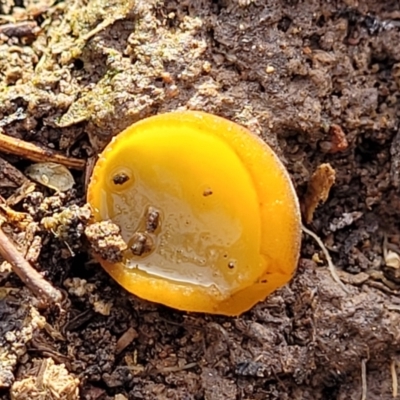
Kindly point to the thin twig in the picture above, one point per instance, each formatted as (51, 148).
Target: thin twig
(177, 368)
(331, 265)
(364, 379)
(394, 378)
(393, 307)
(32, 279)
(35, 153)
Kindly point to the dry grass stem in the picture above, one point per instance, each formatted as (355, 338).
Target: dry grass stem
(35, 153)
(31, 278)
(331, 265)
(178, 368)
(393, 372)
(364, 379)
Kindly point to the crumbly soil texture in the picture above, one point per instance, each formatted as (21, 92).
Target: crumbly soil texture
(317, 80)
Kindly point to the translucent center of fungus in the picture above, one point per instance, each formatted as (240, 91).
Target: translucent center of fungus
(206, 208)
(208, 231)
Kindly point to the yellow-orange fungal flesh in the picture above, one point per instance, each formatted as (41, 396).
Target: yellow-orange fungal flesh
(207, 209)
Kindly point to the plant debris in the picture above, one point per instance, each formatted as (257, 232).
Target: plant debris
(32, 152)
(55, 176)
(31, 278)
(318, 189)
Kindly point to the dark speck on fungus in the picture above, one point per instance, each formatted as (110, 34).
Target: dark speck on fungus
(141, 243)
(153, 219)
(120, 178)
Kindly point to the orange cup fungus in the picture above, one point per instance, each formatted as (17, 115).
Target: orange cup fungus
(208, 211)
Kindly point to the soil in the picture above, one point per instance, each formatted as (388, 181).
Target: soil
(319, 81)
